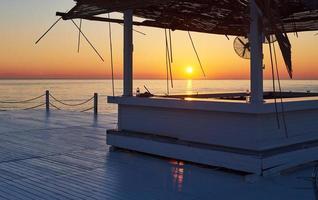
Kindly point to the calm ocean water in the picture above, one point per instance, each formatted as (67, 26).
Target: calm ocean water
(75, 91)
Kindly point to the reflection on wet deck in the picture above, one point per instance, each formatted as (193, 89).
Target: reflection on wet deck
(65, 156)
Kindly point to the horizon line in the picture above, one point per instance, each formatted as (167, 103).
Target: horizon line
(185, 79)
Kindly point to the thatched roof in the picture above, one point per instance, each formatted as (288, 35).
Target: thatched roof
(229, 17)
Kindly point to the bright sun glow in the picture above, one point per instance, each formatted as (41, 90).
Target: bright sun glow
(189, 70)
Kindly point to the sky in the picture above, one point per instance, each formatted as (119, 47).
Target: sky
(56, 56)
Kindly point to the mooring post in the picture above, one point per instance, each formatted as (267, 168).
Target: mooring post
(47, 100)
(95, 103)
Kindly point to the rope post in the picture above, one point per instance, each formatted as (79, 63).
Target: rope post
(95, 103)
(47, 100)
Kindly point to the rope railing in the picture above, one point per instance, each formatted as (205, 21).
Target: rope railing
(58, 108)
(87, 109)
(63, 103)
(54, 106)
(34, 107)
(23, 101)
(47, 103)
(72, 105)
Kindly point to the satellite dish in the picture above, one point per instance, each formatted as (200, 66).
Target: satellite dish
(242, 47)
(270, 39)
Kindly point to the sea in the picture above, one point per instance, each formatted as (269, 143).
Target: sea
(71, 92)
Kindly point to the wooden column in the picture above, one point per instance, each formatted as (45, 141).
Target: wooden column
(128, 53)
(256, 44)
(95, 103)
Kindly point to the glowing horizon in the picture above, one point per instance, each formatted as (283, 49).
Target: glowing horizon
(56, 56)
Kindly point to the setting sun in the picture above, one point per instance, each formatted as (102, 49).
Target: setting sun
(189, 70)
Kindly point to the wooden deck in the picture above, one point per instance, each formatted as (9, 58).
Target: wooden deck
(64, 156)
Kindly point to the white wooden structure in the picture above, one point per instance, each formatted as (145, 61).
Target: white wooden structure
(232, 134)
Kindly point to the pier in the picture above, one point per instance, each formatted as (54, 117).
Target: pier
(64, 155)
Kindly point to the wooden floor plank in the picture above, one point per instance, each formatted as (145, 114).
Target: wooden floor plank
(65, 156)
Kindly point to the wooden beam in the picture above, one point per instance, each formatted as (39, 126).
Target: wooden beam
(100, 19)
(146, 23)
(107, 6)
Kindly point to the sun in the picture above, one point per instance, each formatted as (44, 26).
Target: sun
(189, 70)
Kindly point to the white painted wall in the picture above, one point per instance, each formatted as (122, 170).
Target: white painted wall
(246, 130)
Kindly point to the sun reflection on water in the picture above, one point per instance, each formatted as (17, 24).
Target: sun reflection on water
(189, 87)
(177, 174)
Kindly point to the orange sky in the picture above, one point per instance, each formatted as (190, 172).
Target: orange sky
(56, 56)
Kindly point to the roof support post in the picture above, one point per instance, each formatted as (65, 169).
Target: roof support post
(128, 53)
(256, 44)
